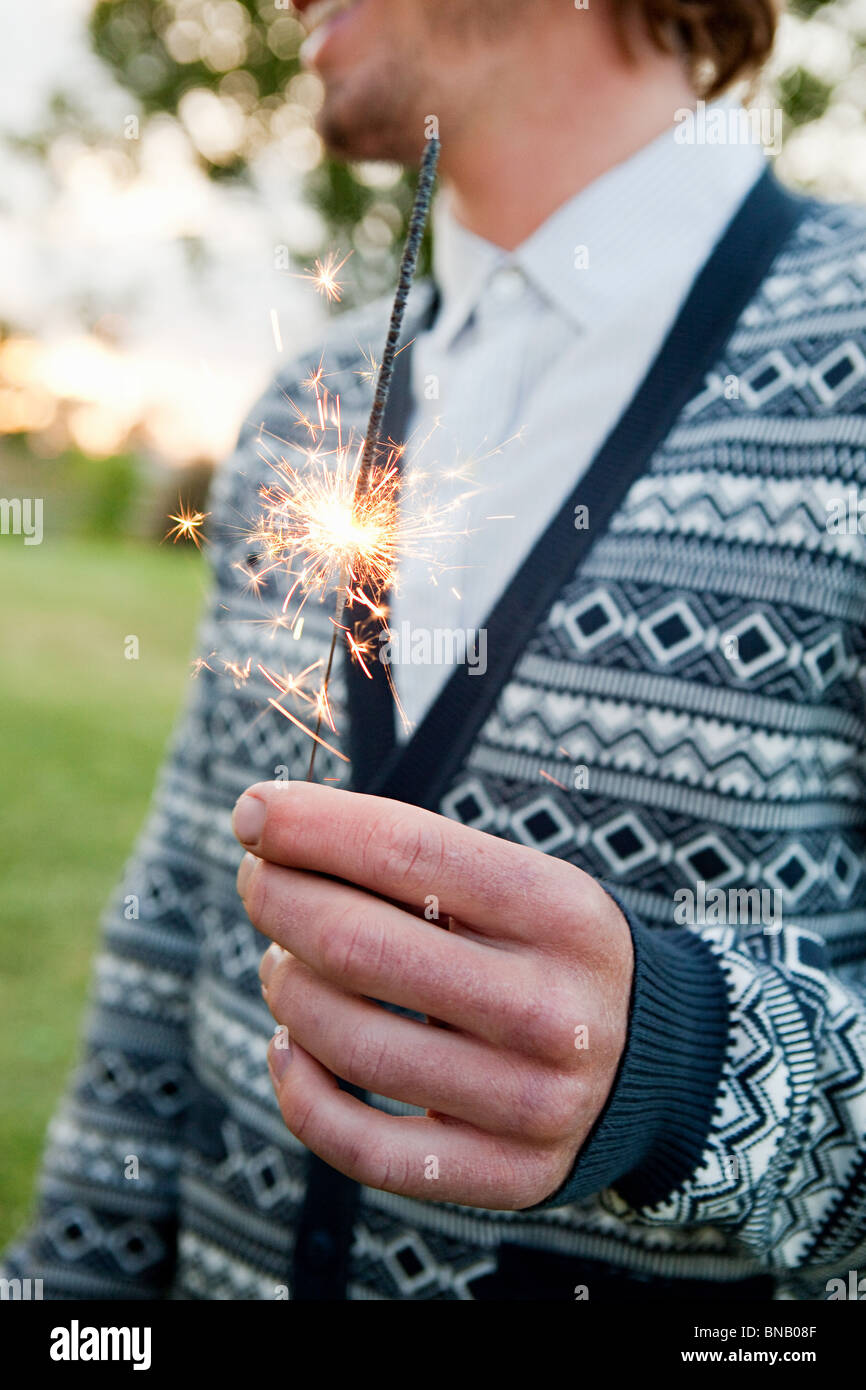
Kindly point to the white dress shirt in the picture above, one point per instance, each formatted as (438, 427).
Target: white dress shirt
(533, 358)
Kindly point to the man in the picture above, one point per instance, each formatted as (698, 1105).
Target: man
(635, 1062)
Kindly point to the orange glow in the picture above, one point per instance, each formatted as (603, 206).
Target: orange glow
(188, 527)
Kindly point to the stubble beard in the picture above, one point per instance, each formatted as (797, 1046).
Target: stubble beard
(380, 117)
(380, 113)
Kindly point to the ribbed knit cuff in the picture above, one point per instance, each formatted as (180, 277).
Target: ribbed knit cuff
(653, 1130)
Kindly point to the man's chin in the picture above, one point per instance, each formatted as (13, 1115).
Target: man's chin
(371, 137)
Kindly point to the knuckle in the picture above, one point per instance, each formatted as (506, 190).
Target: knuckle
(366, 1056)
(352, 945)
(404, 850)
(385, 1170)
(545, 1106)
(543, 1024)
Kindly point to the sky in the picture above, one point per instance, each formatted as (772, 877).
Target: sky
(82, 235)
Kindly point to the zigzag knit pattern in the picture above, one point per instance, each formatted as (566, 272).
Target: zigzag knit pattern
(733, 763)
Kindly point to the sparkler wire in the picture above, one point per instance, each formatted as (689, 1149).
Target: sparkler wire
(372, 442)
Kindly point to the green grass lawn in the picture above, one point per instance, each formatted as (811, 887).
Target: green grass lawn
(82, 732)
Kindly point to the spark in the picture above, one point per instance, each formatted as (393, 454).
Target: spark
(323, 276)
(546, 775)
(253, 582)
(315, 528)
(553, 780)
(330, 521)
(326, 531)
(317, 741)
(323, 707)
(277, 622)
(317, 375)
(355, 649)
(240, 673)
(369, 373)
(288, 684)
(187, 526)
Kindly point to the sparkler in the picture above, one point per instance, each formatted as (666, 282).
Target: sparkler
(365, 490)
(342, 517)
(335, 523)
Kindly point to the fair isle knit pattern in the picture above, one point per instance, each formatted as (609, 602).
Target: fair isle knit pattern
(743, 770)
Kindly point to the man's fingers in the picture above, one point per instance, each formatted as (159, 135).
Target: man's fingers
(414, 856)
(386, 1054)
(421, 1157)
(368, 947)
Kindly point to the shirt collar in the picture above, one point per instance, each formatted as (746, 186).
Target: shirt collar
(668, 204)
(462, 266)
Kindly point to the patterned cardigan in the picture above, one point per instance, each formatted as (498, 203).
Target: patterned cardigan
(700, 658)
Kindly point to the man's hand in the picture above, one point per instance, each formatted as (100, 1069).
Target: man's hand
(527, 993)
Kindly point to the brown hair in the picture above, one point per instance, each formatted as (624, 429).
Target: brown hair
(722, 39)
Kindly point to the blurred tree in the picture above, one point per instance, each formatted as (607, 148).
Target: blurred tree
(803, 95)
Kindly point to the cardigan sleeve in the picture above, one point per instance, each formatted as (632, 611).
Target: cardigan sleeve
(106, 1217)
(740, 1101)
(104, 1226)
